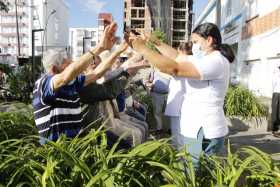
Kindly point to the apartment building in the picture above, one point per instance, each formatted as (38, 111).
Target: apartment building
(173, 17)
(81, 40)
(49, 15)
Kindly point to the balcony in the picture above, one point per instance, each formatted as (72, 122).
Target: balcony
(6, 45)
(12, 14)
(13, 24)
(13, 34)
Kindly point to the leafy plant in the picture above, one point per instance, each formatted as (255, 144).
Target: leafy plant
(158, 34)
(87, 161)
(16, 125)
(241, 102)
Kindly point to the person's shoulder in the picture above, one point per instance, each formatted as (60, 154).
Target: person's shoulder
(217, 56)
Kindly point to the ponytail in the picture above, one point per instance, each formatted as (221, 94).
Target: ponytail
(227, 52)
(209, 29)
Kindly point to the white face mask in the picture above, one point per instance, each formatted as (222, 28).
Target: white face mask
(197, 52)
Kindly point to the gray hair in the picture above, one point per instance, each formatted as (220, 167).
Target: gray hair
(53, 57)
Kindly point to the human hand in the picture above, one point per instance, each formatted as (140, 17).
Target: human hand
(148, 37)
(108, 37)
(136, 42)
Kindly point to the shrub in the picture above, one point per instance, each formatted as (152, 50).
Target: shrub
(16, 125)
(241, 102)
(87, 161)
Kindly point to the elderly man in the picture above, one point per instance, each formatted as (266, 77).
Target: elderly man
(56, 100)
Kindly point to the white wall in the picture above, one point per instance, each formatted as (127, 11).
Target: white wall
(56, 33)
(256, 56)
(76, 36)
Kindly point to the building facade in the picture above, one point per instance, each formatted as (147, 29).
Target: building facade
(252, 28)
(81, 40)
(173, 17)
(49, 15)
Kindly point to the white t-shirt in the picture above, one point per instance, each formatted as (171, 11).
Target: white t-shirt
(204, 99)
(177, 90)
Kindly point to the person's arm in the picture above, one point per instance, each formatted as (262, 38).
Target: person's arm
(163, 48)
(167, 50)
(165, 64)
(94, 92)
(74, 69)
(100, 70)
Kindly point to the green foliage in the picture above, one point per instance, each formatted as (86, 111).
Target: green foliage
(145, 98)
(5, 68)
(241, 102)
(158, 34)
(87, 161)
(20, 83)
(4, 6)
(17, 124)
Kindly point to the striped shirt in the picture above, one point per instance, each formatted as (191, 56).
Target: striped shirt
(57, 112)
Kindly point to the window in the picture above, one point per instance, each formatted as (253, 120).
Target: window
(179, 4)
(93, 43)
(137, 24)
(125, 15)
(92, 34)
(179, 25)
(179, 35)
(141, 13)
(179, 14)
(138, 3)
(133, 13)
(125, 5)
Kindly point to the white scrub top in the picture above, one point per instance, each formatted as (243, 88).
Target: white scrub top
(177, 90)
(204, 99)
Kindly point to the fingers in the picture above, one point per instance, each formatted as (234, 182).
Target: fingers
(111, 29)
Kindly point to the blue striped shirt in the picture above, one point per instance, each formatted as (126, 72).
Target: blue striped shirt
(57, 112)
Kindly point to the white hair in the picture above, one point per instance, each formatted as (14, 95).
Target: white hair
(53, 57)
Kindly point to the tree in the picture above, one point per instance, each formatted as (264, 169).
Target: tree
(4, 6)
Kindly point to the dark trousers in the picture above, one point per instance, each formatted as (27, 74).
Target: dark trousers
(275, 114)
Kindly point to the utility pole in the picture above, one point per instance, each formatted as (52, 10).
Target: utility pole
(33, 52)
(17, 28)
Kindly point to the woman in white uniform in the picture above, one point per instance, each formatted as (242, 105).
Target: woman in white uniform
(202, 123)
(177, 90)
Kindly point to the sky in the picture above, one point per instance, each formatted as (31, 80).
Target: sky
(198, 7)
(84, 13)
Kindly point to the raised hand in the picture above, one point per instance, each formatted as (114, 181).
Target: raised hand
(108, 37)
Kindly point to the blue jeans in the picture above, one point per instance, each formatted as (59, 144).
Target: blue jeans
(197, 146)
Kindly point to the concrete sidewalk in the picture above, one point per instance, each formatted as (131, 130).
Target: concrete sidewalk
(258, 138)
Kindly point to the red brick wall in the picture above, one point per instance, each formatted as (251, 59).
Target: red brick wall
(261, 25)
